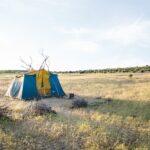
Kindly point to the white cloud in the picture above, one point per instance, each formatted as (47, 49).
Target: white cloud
(129, 34)
(76, 31)
(81, 46)
(54, 2)
(119, 34)
(136, 33)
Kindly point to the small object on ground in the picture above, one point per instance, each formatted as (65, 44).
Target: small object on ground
(79, 103)
(108, 99)
(71, 95)
(1, 114)
(99, 97)
(1, 146)
(134, 116)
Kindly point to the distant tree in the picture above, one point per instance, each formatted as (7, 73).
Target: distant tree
(130, 76)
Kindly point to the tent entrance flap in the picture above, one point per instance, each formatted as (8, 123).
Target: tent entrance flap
(43, 84)
(56, 89)
(29, 88)
(15, 88)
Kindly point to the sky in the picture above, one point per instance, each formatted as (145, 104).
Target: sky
(75, 34)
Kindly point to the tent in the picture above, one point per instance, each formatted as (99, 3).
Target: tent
(34, 85)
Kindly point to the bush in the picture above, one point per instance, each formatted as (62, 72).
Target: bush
(130, 76)
(1, 114)
(3, 111)
(37, 108)
(79, 103)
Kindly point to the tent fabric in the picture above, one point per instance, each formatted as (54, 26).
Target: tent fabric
(43, 83)
(29, 87)
(14, 88)
(35, 84)
(56, 89)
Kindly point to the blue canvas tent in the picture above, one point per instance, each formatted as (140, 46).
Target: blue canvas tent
(34, 85)
(56, 89)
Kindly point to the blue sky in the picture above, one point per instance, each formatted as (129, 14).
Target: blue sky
(76, 34)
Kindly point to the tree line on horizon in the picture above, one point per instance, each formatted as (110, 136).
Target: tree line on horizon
(137, 69)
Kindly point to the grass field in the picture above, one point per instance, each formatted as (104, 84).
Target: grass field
(117, 116)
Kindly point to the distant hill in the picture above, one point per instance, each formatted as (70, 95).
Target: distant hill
(137, 69)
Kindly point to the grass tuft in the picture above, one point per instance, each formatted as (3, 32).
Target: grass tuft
(79, 103)
(37, 108)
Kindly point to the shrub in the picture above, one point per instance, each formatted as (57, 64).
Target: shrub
(1, 114)
(37, 108)
(79, 103)
(130, 76)
(3, 111)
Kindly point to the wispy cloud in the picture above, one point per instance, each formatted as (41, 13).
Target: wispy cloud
(30, 6)
(76, 31)
(54, 2)
(137, 33)
(81, 46)
(129, 34)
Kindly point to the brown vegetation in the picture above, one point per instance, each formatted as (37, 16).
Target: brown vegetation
(117, 115)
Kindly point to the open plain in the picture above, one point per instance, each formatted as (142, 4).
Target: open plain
(117, 115)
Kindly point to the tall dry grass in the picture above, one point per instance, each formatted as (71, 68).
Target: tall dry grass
(115, 86)
(122, 122)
